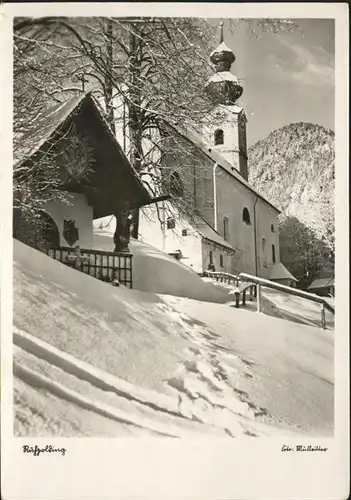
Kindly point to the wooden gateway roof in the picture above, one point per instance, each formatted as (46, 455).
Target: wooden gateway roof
(111, 181)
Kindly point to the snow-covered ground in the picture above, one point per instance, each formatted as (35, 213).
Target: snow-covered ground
(157, 272)
(285, 306)
(95, 360)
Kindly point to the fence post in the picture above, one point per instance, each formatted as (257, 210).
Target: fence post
(258, 293)
(323, 315)
(244, 297)
(237, 297)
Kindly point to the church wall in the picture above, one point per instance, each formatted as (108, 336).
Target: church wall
(232, 198)
(225, 119)
(195, 249)
(204, 190)
(217, 252)
(229, 150)
(172, 240)
(77, 209)
(266, 216)
(195, 171)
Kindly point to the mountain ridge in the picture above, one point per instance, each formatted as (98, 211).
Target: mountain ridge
(294, 167)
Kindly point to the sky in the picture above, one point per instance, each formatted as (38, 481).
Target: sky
(287, 77)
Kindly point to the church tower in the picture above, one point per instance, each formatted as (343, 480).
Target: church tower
(227, 130)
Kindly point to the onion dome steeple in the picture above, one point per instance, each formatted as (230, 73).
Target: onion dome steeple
(223, 86)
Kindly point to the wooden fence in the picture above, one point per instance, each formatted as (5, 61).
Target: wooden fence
(248, 287)
(111, 267)
(241, 291)
(286, 289)
(230, 279)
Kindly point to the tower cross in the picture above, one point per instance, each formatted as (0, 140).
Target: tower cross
(221, 37)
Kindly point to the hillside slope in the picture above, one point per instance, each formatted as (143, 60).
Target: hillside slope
(294, 168)
(220, 370)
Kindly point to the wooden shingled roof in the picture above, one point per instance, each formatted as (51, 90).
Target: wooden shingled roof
(114, 176)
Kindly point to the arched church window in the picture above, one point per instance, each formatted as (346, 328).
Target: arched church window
(273, 254)
(226, 228)
(264, 259)
(175, 185)
(218, 137)
(246, 216)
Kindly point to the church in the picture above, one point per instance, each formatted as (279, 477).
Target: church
(230, 227)
(206, 214)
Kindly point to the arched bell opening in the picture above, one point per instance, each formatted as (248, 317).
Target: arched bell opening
(218, 137)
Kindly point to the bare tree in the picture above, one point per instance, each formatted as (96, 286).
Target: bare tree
(301, 250)
(158, 67)
(42, 61)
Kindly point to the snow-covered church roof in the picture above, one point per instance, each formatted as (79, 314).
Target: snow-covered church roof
(279, 272)
(208, 233)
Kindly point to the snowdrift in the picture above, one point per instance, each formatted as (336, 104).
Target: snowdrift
(157, 272)
(125, 332)
(173, 366)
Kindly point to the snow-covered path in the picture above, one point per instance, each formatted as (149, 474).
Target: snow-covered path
(289, 366)
(53, 390)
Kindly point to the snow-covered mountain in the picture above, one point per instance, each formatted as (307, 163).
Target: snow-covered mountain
(294, 168)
